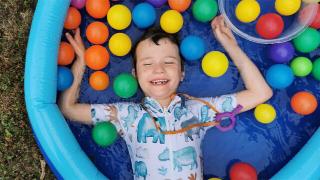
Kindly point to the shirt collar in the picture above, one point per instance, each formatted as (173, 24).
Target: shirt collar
(154, 107)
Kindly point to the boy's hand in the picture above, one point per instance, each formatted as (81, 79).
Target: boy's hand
(77, 44)
(223, 33)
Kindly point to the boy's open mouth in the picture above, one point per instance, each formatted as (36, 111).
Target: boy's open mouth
(159, 82)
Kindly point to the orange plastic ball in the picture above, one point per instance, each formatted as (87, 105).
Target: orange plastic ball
(99, 80)
(73, 19)
(97, 57)
(179, 5)
(66, 54)
(97, 8)
(97, 33)
(304, 103)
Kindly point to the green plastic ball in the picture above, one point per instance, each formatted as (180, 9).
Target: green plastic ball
(125, 85)
(307, 41)
(316, 69)
(204, 10)
(104, 134)
(301, 66)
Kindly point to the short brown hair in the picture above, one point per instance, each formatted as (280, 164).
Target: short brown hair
(156, 34)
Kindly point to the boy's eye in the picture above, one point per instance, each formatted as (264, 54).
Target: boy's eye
(147, 64)
(169, 62)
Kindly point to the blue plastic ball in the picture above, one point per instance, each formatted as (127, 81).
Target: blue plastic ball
(143, 15)
(279, 76)
(65, 78)
(192, 48)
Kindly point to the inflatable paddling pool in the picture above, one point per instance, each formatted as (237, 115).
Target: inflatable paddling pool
(288, 148)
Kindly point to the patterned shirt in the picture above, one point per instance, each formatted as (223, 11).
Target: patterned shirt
(158, 156)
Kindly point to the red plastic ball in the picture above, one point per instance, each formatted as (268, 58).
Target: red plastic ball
(270, 26)
(304, 103)
(73, 19)
(242, 171)
(316, 22)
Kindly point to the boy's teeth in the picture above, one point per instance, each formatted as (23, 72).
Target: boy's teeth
(158, 82)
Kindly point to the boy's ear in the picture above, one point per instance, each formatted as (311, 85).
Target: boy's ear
(182, 76)
(133, 72)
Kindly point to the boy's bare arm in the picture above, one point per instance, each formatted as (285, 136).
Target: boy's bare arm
(257, 90)
(68, 104)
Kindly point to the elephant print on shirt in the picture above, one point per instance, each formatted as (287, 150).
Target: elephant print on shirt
(184, 157)
(188, 134)
(227, 105)
(131, 117)
(204, 114)
(146, 128)
(179, 112)
(140, 170)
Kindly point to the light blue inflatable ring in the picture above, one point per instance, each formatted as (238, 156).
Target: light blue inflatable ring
(56, 141)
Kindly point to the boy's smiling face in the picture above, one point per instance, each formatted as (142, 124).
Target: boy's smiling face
(158, 68)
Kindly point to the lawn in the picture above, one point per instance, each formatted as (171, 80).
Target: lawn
(20, 157)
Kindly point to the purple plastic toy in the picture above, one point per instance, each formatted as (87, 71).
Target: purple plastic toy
(78, 3)
(281, 53)
(157, 3)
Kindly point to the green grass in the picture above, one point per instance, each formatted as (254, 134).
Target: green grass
(20, 157)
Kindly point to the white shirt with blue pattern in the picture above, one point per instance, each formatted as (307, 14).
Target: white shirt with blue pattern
(158, 156)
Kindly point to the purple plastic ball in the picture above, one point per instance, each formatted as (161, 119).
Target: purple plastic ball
(78, 3)
(281, 53)
(157, 3)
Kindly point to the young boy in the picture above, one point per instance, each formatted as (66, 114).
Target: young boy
(164, 132)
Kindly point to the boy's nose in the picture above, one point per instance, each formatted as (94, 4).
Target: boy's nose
(158, 68)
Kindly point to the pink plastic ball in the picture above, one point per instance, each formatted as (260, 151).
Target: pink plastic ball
(78, 3)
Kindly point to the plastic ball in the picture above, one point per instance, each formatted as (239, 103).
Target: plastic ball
(99, 80)
(281, 53)
(192, 48)
(66, 54)
(171, 21)
(179, 5)
(304, 103)
(215, 64)
(287, 8)
(125, 85)
(79, 4)
(214, 179)
(119, 17)
(307, 41)
(316, 22)
(65, 78)
(265, 113)
(242, 170)
(279, 76)
(120, 44)
(144, 15)
(104, 134)
(97, 8)
(269, 26)
(157, 3)
(97, 32)
(73, 19)
(247, 10)
(96, 57)
(301, 66)
(316, 69)
(204, 10)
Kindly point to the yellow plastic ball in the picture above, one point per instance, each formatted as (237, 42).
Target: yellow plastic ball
(214, 179)
(247, 10)
(119, 17)
(171, 21)
(287, 7)
(215, 64)
(120, 44)
(265, 113)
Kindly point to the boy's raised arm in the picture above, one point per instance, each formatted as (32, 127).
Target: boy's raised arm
(257, 90)
(68, 99)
